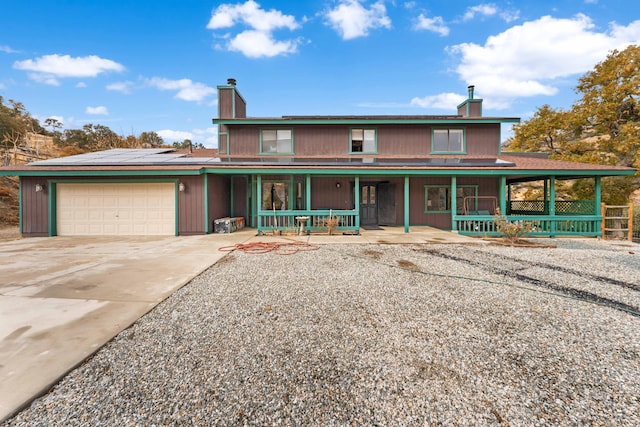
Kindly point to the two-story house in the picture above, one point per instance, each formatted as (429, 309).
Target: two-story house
(364, 171)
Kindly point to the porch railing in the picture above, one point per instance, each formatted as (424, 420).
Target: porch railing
(541, 207)
(317, 220)
(542, 226)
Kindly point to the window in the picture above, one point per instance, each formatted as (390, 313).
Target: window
(363, 141)
(276, 141)
(275, 196)
(438, 198)
(448, 141)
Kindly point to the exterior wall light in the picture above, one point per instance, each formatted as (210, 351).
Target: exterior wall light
(181, 186)
(338, 185)
(39, 188)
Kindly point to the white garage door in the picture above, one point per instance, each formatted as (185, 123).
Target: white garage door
(116, 209)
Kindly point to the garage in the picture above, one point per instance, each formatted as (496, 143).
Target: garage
(116, 209)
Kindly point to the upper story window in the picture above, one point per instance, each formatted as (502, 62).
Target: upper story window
(448, 141)
(364, 141)
(276, 141)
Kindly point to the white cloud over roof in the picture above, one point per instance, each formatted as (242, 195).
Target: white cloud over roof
(186, 89)
(49, 68)
(352, 20)
(529, 59)
(257, 39)
(445, 101)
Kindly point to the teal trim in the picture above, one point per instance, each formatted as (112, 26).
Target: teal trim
(406, 204)
(356, 200)
(20, 207)
(277, 153)
(53, 208)
(543, 225)
(552, 204)
(254, 201)
(258, 199)
(232, 209)
(362, 152)
(307, 193)
(597, 199)
(363, 120)
(464, 140)
(502, 188)
(454, 202)
(207, 230)
(362, 171)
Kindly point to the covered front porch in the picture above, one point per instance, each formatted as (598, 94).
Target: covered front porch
(286, 203)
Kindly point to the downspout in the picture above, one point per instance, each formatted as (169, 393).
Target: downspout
(454, 203)
(406, 204)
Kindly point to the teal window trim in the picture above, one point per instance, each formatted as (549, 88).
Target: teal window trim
(277, 153)
(291, 200)
(375, 139)
(449, 129)
(446, 197)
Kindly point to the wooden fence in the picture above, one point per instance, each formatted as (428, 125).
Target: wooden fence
(617, 222)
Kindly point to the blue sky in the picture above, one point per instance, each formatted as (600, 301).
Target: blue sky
(138, 66)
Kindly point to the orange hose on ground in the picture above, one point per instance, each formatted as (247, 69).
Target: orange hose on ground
(281, 248)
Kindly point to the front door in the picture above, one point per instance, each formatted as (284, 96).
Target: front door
(368, 204)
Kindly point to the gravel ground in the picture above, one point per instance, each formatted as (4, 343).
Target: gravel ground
(377, 335)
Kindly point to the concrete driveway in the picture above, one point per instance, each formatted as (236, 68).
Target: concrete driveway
(62, 298)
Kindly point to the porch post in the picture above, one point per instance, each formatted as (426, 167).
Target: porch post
(406, 204)
(206, 203)
(454, 203)
(307, 193)
(597, 195)
(356, 192)
(501, 199)
(259, 201)
(552, 204)
(545, 198)
(231, 191)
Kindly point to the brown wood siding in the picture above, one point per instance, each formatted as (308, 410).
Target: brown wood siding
(475, 109)
(393, 140)
(191, 206)
(219, 198)
(225, 104)
(482, 139)
(240, 207)
(417, 216)
(35, 207)
(241, 107)
(407, 140)
(325, 194)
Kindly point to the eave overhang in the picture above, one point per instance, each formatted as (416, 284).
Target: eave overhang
(458, 120)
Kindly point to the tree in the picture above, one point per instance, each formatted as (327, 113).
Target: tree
(151, 139)
(188, 144)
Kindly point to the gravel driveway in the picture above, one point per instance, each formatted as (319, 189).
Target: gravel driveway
(377, 335)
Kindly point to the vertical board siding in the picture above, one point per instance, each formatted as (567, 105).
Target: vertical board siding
(225, 104)
(191, 206)
(481, 139)
(334, 140)
(241, 107)
(240, 207)
(219, 198)
(325, 194)
(35, 207)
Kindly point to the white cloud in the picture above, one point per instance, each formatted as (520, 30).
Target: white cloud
(435, 24)
(488, 9)
(526, 59)
(258, 40)
(351, 19)
(124, 87)
(445, 101)
(256, 44)
(187, 89)
(174, 135)
(208, 137)
(48, 69)
(100, 110)
(7, 49)
(81, 85)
